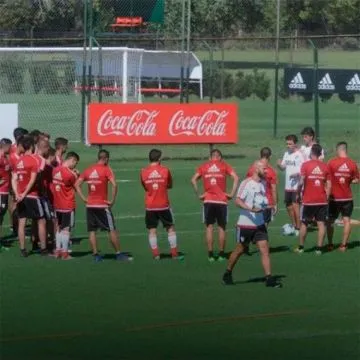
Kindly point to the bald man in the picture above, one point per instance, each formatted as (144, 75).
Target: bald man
(252, 201)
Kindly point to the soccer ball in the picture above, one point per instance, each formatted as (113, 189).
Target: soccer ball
(288, 229)
(260, 202)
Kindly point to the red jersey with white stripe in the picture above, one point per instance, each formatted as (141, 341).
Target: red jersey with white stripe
(25, 166)
(63, 180)
(214, 174)
(156, 180)
(13, 159)
(315, 174)
(270, 179)
(4, 175)
(343, 171)
(97, 177)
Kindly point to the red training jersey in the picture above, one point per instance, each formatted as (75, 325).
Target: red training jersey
(214, 175)
(13, 159)
(343, 171)
(25, 166)
(13, 149)
(97, 177)
(4, 175)
(315, 174)
(156, 180)
(63, 180)
(270, 179)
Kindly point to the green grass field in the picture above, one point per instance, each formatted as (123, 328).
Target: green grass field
(180, 310)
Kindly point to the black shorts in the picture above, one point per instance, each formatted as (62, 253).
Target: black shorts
(65, 219)
(246, 235)
(152, 218)
(309, 213)
(345, 208)
(100, 219)
(290, 197)
(30, 208)
(267, 213)
(48, 208)
(215, 213)
(4, 204)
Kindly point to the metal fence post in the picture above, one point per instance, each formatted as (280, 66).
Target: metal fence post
(316, 89)
(276, 89)
(83, 85)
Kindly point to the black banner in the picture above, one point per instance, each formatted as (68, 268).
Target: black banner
(332, 81)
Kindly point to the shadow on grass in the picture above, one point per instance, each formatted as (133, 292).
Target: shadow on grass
(260, 279)
(77, 240)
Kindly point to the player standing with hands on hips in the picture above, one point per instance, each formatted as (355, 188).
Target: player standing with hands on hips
(214, 173)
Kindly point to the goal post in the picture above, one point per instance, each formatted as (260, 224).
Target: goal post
(45, 83)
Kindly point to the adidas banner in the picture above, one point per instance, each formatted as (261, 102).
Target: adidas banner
(328, 80)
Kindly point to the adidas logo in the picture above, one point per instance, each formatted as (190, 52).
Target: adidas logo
(317, 171)
(344, 168)
(213, 168)
(326, 83)
(20, 165)
(354, 83)
(154, 175)
(94, 175)
(58, 176)
(297, 82)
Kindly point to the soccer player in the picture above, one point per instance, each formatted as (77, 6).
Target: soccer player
(309, 139)
(291, 163)
(5, 180)
(61, 145)
(251, 225)
(215, 198)
(315, 187)
(156, 180)
(343, 173)
(98, 207)
(271, 181)
(14, 155)
(64, 179)
(27, 193)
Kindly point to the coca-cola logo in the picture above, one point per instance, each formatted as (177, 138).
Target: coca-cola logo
(211, 123)
(140, 123)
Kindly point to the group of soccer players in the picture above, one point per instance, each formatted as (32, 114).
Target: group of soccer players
(39, 183)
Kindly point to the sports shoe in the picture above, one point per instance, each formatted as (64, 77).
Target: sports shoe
(211, 259)
(178, 257)
(318, 252)
(4, 248)
(157, 258)
(299, 250)
(123, 257)
(222, 258)
(66, 256)
(97, 258)
(330, 247)
(227, 278)
(24, 253)
(342, 248)
(272, 282)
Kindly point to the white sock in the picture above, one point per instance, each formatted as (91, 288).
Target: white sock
(65, 241)
(153, 242)
(172, 240)
(58, 241)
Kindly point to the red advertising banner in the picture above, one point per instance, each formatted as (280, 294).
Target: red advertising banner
(162, 123)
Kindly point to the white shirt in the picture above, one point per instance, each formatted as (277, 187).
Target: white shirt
(249, 189)
(292, 162)
(306, 151)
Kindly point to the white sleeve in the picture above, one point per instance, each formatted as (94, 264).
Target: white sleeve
(242, 191)
(283, 159)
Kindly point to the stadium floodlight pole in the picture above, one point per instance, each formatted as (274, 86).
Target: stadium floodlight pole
(182, 65)
(316, 90)
(188, 39)
(276, 86)
(83, 85)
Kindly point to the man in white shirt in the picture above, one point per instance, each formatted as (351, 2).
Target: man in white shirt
(291, 163)
(308, 135)
(252, 201)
